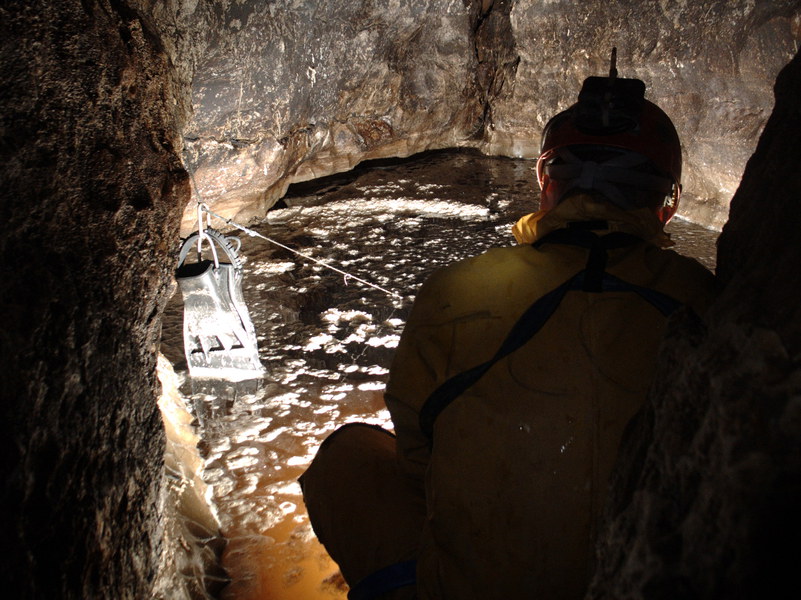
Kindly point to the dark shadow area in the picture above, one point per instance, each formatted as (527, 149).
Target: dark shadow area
(331, 183)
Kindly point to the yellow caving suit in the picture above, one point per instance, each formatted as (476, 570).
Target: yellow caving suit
(517, 473)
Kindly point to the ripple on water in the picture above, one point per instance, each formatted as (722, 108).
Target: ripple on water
(327, 342)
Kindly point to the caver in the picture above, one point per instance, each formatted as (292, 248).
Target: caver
(515, 376)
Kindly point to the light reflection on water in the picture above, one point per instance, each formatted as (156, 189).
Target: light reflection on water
(327, 343)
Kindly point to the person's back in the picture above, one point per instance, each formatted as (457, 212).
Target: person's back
(520, 461)
(515, 376)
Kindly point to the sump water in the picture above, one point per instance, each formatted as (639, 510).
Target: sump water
(327, 341)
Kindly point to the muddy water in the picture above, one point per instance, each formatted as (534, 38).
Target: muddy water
(327, 341)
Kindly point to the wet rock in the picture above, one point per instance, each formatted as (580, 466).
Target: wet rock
(704, 502)
(192, 544)
(708, 64)
(289, 91)
(92, 191)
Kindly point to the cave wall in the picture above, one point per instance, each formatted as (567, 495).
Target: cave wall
(292, 90)
(92, 190)
(289, 90)
(709, 64)
(94, 106)
(706, 494)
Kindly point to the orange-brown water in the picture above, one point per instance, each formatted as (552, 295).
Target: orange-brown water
(327, 343)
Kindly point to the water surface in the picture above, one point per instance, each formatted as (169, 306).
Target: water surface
(327, 341)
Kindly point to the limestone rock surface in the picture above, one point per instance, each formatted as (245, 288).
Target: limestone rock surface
(290, 90)
(709, 64)
(92, 189)
(705, 499)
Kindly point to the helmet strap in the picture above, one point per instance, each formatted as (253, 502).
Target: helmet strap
(606, 176)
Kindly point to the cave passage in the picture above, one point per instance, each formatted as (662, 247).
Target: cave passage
(327, 343)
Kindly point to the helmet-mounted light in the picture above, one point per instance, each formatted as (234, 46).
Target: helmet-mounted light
(612, 112)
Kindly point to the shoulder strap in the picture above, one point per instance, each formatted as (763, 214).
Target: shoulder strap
(592, 278)
(385, 580)
(579, 234)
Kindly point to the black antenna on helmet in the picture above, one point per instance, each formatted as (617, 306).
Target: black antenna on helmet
(613, 65)
(609, 105)
(606, 106)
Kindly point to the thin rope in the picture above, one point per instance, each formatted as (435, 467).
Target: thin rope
(202, 206)
(346, 275)
(354, 359)
(343, 376)
(202, 236)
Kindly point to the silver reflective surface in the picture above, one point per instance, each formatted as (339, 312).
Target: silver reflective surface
(326, 342)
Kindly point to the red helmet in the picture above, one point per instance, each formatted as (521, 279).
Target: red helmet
(614, 113)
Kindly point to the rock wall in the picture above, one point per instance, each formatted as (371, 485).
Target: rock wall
(709, 64)
(705, 499)
(290, 90)
(95, 102)
(192, 546)
(92, 190)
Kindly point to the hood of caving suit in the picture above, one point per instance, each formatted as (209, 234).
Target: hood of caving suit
(517, 472)
(642, 222)
(616, 142)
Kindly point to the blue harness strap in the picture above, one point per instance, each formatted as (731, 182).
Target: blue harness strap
(385, 580)
(593, 278)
